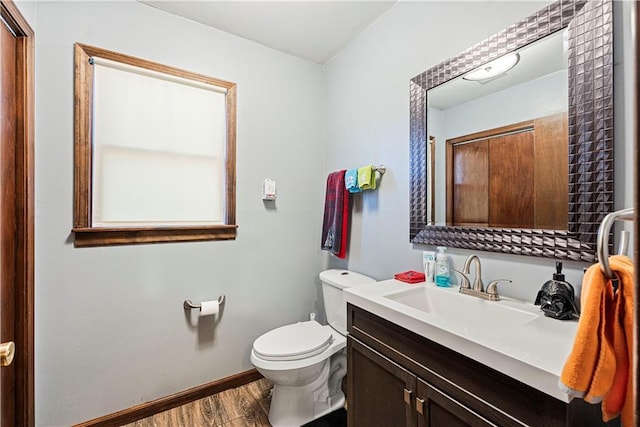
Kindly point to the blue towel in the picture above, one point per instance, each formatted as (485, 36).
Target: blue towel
(351, 181)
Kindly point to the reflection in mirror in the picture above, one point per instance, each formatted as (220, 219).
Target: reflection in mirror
(455, 139)
(495, 163)
(514, 176)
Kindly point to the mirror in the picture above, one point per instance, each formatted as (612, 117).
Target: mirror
(589, 176)
(520, 113)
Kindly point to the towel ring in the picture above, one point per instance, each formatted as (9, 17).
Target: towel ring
(603, 239)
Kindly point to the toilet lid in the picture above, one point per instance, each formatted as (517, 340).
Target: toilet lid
(293, 342)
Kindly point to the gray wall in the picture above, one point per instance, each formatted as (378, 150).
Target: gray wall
(110, 329)
(545, 96)
(111, 332)
(367, 109)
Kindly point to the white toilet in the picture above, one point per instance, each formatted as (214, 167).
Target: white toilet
(307, 361)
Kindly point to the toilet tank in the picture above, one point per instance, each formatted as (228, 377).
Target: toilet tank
(333, 282)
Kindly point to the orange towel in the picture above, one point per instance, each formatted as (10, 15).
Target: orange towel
(598, 367)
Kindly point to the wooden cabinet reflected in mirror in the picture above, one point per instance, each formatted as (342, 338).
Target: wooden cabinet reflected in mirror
(514, 176)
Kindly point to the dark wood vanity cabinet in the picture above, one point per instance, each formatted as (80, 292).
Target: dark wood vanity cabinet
(399, 379)
(383, 389)
(386, 394)
(436, 408)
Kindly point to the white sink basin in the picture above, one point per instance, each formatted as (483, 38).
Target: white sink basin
(470, 312)
(509, 335)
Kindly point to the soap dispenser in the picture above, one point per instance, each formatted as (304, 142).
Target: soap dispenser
(442, 268)
(556, 298)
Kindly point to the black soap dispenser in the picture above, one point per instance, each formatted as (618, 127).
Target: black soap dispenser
(556, 298)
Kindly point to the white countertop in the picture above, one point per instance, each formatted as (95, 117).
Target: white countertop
(533, 353)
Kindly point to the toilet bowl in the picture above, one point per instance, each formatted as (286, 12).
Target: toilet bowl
(306, 361)
(301, 377)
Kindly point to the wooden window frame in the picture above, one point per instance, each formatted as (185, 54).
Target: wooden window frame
(87, 235)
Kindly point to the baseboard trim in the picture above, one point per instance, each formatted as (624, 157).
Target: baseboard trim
(148, 409)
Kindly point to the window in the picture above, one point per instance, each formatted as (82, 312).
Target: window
(154, 152)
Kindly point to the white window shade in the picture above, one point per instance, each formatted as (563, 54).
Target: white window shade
(159, 147)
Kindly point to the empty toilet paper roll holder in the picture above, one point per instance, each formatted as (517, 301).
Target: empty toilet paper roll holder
(188, 304)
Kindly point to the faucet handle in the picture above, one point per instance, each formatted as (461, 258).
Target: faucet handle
(464, 282)
(492, 288)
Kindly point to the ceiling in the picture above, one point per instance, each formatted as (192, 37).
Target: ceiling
(312, 30)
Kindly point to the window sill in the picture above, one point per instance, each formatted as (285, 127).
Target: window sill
(88, 237)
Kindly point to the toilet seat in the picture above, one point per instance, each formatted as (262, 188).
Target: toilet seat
(293, 342)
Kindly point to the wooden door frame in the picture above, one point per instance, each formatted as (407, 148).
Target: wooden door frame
(24, 281)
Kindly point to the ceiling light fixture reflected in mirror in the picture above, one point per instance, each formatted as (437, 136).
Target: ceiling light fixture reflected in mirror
(493, 69)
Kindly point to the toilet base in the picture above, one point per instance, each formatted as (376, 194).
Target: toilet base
(292, 407)
(295, 406)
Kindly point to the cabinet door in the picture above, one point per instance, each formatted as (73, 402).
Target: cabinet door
(511, 185)
(380, 393)
(468, 203)
(436, 409)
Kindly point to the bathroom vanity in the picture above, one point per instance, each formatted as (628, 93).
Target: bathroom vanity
(409, 366)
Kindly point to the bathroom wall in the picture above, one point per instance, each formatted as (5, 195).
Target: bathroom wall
(28, 10)
(367, 109)
(544, 96)
(111, 331)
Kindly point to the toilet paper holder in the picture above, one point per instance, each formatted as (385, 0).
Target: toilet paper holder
(188, 304)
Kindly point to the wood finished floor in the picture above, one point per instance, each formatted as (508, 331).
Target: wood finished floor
(246, 406)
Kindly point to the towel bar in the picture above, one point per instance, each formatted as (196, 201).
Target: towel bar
(603, 239)
(189, 305)
(380, 169)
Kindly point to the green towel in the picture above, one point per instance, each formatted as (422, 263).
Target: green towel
(366, 178)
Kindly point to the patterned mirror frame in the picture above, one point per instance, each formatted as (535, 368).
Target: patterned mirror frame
(590, 114)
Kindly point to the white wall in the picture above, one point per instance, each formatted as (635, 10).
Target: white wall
(111, 332)
(367, 108)
(545, 96)
(626, 118)
(28, 9)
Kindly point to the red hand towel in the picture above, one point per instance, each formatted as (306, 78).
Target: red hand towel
(410, 277)
(336, 215)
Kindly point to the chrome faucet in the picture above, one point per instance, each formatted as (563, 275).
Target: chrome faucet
(478, 290)
(478, 286)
